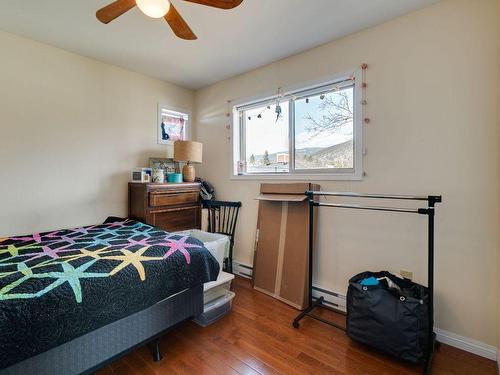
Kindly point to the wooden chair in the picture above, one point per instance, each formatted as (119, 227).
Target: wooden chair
(222, 218)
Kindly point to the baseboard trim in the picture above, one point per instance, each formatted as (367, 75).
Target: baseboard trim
(498, 361)
(338, 300)
(467, 344)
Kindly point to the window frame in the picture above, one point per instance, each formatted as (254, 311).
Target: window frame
(291, 94)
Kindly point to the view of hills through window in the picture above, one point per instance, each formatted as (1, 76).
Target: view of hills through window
(323, 134)
(324, 131)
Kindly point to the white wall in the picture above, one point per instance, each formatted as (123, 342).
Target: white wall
(71, 131)
(498, 208)
(433, 99)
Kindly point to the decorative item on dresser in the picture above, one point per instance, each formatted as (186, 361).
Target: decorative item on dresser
(159, 176)
(171, 207)
(190, 152)
(167, 164)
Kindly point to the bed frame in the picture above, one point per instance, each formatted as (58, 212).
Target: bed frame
(88, 353)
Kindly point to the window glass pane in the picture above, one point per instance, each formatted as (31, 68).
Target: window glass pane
(266, 139)
(324, 130)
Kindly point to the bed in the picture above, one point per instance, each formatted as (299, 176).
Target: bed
(73, 300)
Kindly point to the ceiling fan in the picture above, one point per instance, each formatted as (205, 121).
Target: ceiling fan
(159, 9)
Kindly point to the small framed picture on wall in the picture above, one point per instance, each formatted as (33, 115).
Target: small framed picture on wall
(173, 124)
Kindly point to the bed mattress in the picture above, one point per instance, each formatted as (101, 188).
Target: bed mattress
(57, 286)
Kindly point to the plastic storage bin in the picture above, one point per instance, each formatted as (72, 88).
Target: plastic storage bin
(217, 296)
(218, 288)
(217, 244)
(215, 310)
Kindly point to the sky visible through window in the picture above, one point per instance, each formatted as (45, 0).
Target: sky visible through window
(323, 134)
(266, 133)
(303, 138)
(324, 131)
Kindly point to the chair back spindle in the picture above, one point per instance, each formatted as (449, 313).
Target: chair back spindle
(222, 218)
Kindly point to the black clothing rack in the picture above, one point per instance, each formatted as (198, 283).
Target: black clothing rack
(429, 211)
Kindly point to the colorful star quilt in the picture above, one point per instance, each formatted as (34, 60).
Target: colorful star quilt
(58, 285)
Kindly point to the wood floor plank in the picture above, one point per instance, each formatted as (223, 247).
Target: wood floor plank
(217, 353)
(162, 367)
(196, 350)
(346, 350)
(257, 338)
(249, 359)
(331, 359)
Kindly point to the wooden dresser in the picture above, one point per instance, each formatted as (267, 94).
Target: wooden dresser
(171, 207)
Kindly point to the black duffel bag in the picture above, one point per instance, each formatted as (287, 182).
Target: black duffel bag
(391, 319)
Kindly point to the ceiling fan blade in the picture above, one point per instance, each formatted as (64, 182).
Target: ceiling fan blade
(178, 25)
(114, 10)
(222, 4)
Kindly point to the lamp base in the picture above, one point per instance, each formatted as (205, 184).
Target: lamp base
(188, 173)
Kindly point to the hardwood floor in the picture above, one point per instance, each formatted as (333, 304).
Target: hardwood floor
(257, 338)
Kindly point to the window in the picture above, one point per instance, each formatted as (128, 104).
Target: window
(310, 131)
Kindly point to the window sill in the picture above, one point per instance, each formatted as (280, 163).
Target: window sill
(300, 177)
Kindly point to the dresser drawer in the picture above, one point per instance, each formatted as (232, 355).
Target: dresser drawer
(170, 207)
(157, 199)
(177, 218)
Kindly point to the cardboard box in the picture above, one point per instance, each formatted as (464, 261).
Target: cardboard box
(281, 256)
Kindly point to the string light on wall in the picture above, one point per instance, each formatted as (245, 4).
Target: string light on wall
(259, 115)
(228, 119)
(278, 110)
(337, 87)
(363, 101)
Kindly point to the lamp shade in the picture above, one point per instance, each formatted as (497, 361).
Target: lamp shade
(188, 151)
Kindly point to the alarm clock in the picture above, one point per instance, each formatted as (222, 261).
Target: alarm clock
(142, 175)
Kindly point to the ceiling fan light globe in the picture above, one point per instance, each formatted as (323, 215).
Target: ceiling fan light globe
(153, 8)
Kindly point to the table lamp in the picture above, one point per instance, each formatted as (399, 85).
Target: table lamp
(189, 152)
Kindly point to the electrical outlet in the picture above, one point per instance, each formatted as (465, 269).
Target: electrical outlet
(406, 274)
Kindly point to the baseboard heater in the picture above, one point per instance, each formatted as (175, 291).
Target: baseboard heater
(333, 299)
(242, 270)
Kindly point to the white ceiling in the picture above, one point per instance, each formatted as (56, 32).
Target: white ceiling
(229, 42)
